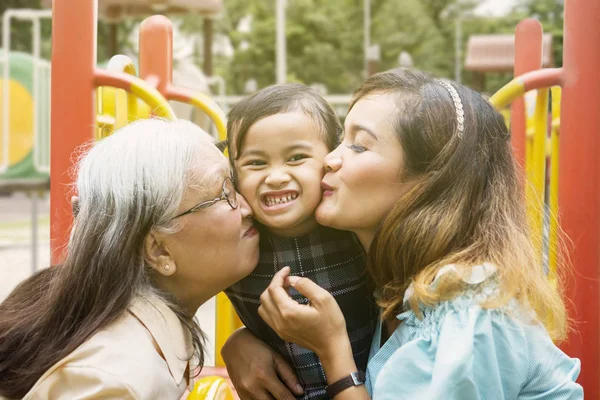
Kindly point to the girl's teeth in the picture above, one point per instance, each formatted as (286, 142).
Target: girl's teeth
(280, 200)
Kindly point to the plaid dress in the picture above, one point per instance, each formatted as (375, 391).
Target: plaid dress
(334, 260)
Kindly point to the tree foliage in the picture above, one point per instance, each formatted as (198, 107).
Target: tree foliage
(325, 37)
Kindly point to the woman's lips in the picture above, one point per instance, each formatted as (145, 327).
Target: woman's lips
(327, 190)
(251, 232)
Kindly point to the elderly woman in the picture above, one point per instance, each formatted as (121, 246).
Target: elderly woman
(159, 230)
(426, 178)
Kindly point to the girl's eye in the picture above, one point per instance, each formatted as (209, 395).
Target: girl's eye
(356, 148)
(255, 163)
(298, 157)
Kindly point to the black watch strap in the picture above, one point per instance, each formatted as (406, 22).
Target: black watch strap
(354, 379)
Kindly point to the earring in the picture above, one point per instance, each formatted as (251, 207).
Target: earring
(167, 267)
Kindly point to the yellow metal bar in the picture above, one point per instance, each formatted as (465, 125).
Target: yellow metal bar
(212, 109)
(159, 106)
(536, 167)
(122, 63)
(227, 322)
(211, 388)
(116, 103)
(554, 154)
(105, 120)
(512, 90)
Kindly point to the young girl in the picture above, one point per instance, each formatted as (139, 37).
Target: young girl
(466, 309)
(277, 141)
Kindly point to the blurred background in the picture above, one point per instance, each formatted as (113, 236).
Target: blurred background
(231, 48)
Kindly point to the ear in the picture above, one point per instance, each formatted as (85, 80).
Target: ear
(158, 255)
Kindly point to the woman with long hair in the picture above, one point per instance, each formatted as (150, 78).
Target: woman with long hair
(159, 229)
(426, 178)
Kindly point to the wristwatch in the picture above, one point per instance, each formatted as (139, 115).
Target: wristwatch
(354, 379)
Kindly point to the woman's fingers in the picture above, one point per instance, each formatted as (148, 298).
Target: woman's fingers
(287, 374)
(313, 292)
(271, 387)
(277, 389)
(276, 297)
(279, 277)
(277, 308)
(314, 326)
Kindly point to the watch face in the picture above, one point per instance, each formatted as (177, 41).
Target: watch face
(357, 378)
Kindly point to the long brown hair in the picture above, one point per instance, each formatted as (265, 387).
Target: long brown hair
(467, 206)
(127, 184)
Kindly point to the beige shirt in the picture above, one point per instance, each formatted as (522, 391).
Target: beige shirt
(122, 360)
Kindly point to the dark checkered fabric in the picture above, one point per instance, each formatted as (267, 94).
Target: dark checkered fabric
(334, 260)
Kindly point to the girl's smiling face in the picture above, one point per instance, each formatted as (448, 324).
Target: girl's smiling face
(279, 172)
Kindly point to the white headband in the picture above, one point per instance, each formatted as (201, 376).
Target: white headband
(460, 114)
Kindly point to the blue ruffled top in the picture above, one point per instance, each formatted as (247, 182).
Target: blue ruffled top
(462, 351)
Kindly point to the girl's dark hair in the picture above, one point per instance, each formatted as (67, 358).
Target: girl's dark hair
(128, 184)
(278, 99)
(467, 206)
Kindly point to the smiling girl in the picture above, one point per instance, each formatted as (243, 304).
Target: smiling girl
(278, 139)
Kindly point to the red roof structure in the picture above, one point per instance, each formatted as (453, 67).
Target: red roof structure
(114, 10)
(495, 53)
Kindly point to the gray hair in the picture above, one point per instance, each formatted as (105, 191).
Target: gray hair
(129, 184)
(139, 175)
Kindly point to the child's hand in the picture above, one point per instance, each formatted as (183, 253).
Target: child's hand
(319, 326)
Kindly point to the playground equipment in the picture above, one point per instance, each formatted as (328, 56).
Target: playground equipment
(25, 128)
(185, 73)
(25, 118)
(25, 109)
(574, 175)
(25, 144)
(497, 53)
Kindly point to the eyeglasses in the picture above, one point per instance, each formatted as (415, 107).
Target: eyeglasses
(228, 194)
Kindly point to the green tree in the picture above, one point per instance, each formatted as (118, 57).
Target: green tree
(325, 39)
(324, 43)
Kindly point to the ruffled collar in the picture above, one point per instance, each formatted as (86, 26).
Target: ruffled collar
(472, 276)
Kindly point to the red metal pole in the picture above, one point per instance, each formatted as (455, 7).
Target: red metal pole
(156, 52)
(72, 99)
(579, 182)
(528, 57)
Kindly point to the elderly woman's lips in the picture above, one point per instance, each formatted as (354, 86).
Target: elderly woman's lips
(251, 232)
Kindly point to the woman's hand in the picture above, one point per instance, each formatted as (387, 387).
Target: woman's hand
(257, 371)
(319, 326)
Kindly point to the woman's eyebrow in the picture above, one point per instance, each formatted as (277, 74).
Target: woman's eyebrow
(358, 127)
